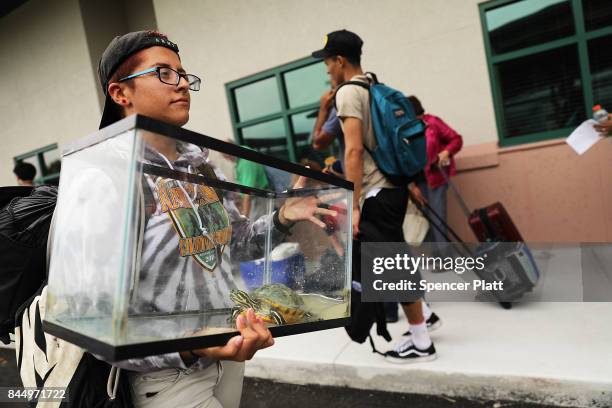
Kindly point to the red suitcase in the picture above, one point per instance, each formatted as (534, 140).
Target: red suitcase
(493, 223)
(489, 224)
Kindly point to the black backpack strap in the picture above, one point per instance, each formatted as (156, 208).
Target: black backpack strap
(372, 77)
(380, 317)
(361, 84)
(374, 350)
(358, 83)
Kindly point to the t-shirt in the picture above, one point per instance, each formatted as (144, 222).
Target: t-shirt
(251, 174)
(353, 101)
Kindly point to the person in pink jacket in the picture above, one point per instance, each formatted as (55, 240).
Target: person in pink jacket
(443, 143)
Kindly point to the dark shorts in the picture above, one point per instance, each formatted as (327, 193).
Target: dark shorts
(381, 220)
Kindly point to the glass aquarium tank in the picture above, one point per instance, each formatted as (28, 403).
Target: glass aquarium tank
(154, 249)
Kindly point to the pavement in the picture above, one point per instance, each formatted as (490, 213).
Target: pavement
(546, 353)
(258, 393)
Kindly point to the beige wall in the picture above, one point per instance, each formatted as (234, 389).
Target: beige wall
(48, 87)
(104, 20)
(431, 48)
(551, 193)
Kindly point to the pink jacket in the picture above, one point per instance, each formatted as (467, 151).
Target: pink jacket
(439, 137)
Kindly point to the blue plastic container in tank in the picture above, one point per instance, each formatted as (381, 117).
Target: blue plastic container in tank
(288, 271)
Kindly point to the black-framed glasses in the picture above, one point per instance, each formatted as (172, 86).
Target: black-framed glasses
(169, 76)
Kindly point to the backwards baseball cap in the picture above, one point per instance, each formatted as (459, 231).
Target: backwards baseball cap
(119, 50)
(341, 42)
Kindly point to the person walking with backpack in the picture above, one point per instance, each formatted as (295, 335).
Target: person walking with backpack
(443, 143)
(378, 205)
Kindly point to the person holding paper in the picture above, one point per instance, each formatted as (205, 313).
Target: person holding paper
(605, 128)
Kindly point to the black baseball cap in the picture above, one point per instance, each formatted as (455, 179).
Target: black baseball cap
(341, 42)
(120, 49)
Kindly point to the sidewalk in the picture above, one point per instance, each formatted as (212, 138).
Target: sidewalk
(549, 353)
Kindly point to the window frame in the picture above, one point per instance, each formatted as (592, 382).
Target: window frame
(581, 39)
(45, 177)
(285, 113)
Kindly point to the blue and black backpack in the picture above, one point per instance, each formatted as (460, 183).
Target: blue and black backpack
(400, 150)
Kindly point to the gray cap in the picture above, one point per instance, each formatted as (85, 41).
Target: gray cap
(120, 49)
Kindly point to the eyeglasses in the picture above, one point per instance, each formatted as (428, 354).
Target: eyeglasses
(169, 76)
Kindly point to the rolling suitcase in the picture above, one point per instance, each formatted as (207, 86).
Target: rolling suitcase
(492, 225)
(489, 224)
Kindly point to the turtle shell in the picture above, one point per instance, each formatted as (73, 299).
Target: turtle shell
(278, 294)
(282, 299)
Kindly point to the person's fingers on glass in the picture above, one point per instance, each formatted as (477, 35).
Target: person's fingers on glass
(168, 76)
(268, 338)
(316, 221)
(305, 209)
(251, 337)
(258, 326)
(247, 349)
(320, 209)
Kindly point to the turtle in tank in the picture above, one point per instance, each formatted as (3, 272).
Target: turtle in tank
(275, 303)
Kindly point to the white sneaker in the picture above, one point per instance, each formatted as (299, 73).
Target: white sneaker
(407, 352)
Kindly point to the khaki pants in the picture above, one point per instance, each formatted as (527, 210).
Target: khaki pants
(217, 386)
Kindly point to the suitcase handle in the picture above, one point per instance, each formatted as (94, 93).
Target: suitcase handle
(454, 189)
(436, 226)
(481, 213)
(505, 305)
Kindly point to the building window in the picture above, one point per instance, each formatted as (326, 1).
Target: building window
(47, 162)
(549, 63)
(274, 111)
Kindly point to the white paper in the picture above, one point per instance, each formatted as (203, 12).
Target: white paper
(584, 137)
